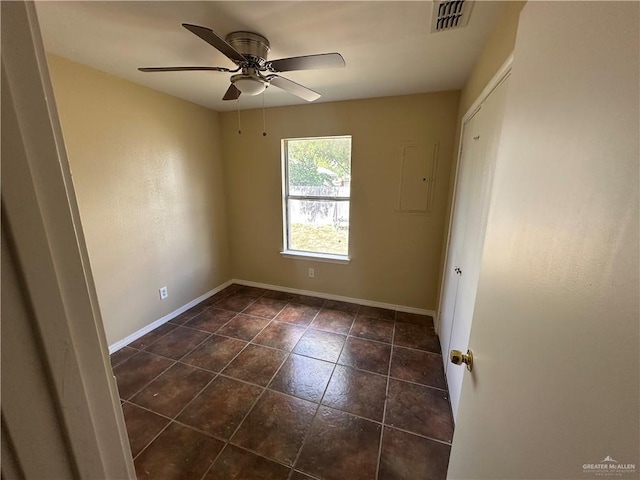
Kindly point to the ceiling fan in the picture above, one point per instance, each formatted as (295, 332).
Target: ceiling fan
(249, 52)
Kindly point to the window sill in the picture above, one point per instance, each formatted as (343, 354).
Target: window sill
(316, 257)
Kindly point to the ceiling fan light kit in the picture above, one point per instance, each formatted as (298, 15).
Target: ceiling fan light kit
(249, 85)
(249, 52)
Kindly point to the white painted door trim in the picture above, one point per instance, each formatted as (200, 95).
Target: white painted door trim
(475, 163)
(496, 80)
(41, 215)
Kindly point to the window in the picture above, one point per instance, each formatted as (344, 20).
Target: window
(316, 189)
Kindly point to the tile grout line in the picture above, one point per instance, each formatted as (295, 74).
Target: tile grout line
(386, 402)
(174, 419)
(265, 388)
(433, 439)
(306, 329)
(211, 334)
(226, 442)
(157, 339)
(152, 440)
(258, 454)
(170, 421)
(251, 342)
(218, 374)
(418, 384)
(214, 461)
(287, 302)
(152, 380)
(326, 331)
(175, 362)
(145, 385)
(315, 415)
(247, 344)
(137, 350)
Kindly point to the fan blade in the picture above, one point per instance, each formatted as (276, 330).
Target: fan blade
(232, 93)
(182, 69)
(218, 42)
(294, 88)
(308, 62)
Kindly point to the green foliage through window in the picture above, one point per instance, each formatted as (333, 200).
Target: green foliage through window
(321, 161)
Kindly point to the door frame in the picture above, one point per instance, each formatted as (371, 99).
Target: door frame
(41, 216)
(500, 75)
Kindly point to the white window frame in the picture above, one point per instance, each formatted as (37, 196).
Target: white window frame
(303, 254)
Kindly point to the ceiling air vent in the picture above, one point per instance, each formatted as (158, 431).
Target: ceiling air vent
(448, 15)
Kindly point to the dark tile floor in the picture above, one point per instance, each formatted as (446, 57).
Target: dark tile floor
(258, 384)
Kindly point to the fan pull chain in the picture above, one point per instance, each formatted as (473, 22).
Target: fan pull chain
(264, 121)
(238, 103)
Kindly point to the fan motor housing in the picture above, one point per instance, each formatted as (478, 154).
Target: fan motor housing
(249, 44)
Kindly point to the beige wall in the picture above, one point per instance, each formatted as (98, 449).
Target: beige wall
(149, 179)
(555, 329)
(498, 47)
(394, 256)
(149, 182)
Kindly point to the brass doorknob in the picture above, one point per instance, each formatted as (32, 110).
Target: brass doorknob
(458, 358)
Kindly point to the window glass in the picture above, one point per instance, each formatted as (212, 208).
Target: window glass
(317, 181)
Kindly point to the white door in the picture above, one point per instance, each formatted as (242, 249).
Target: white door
(479, 142)
(469, 149)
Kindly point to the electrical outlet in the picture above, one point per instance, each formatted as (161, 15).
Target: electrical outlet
(163, 293)
(312, 273)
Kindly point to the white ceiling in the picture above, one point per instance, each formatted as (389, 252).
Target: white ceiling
(387, 46)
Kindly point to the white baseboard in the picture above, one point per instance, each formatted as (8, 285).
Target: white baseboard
(144, 330)
(329, 296)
